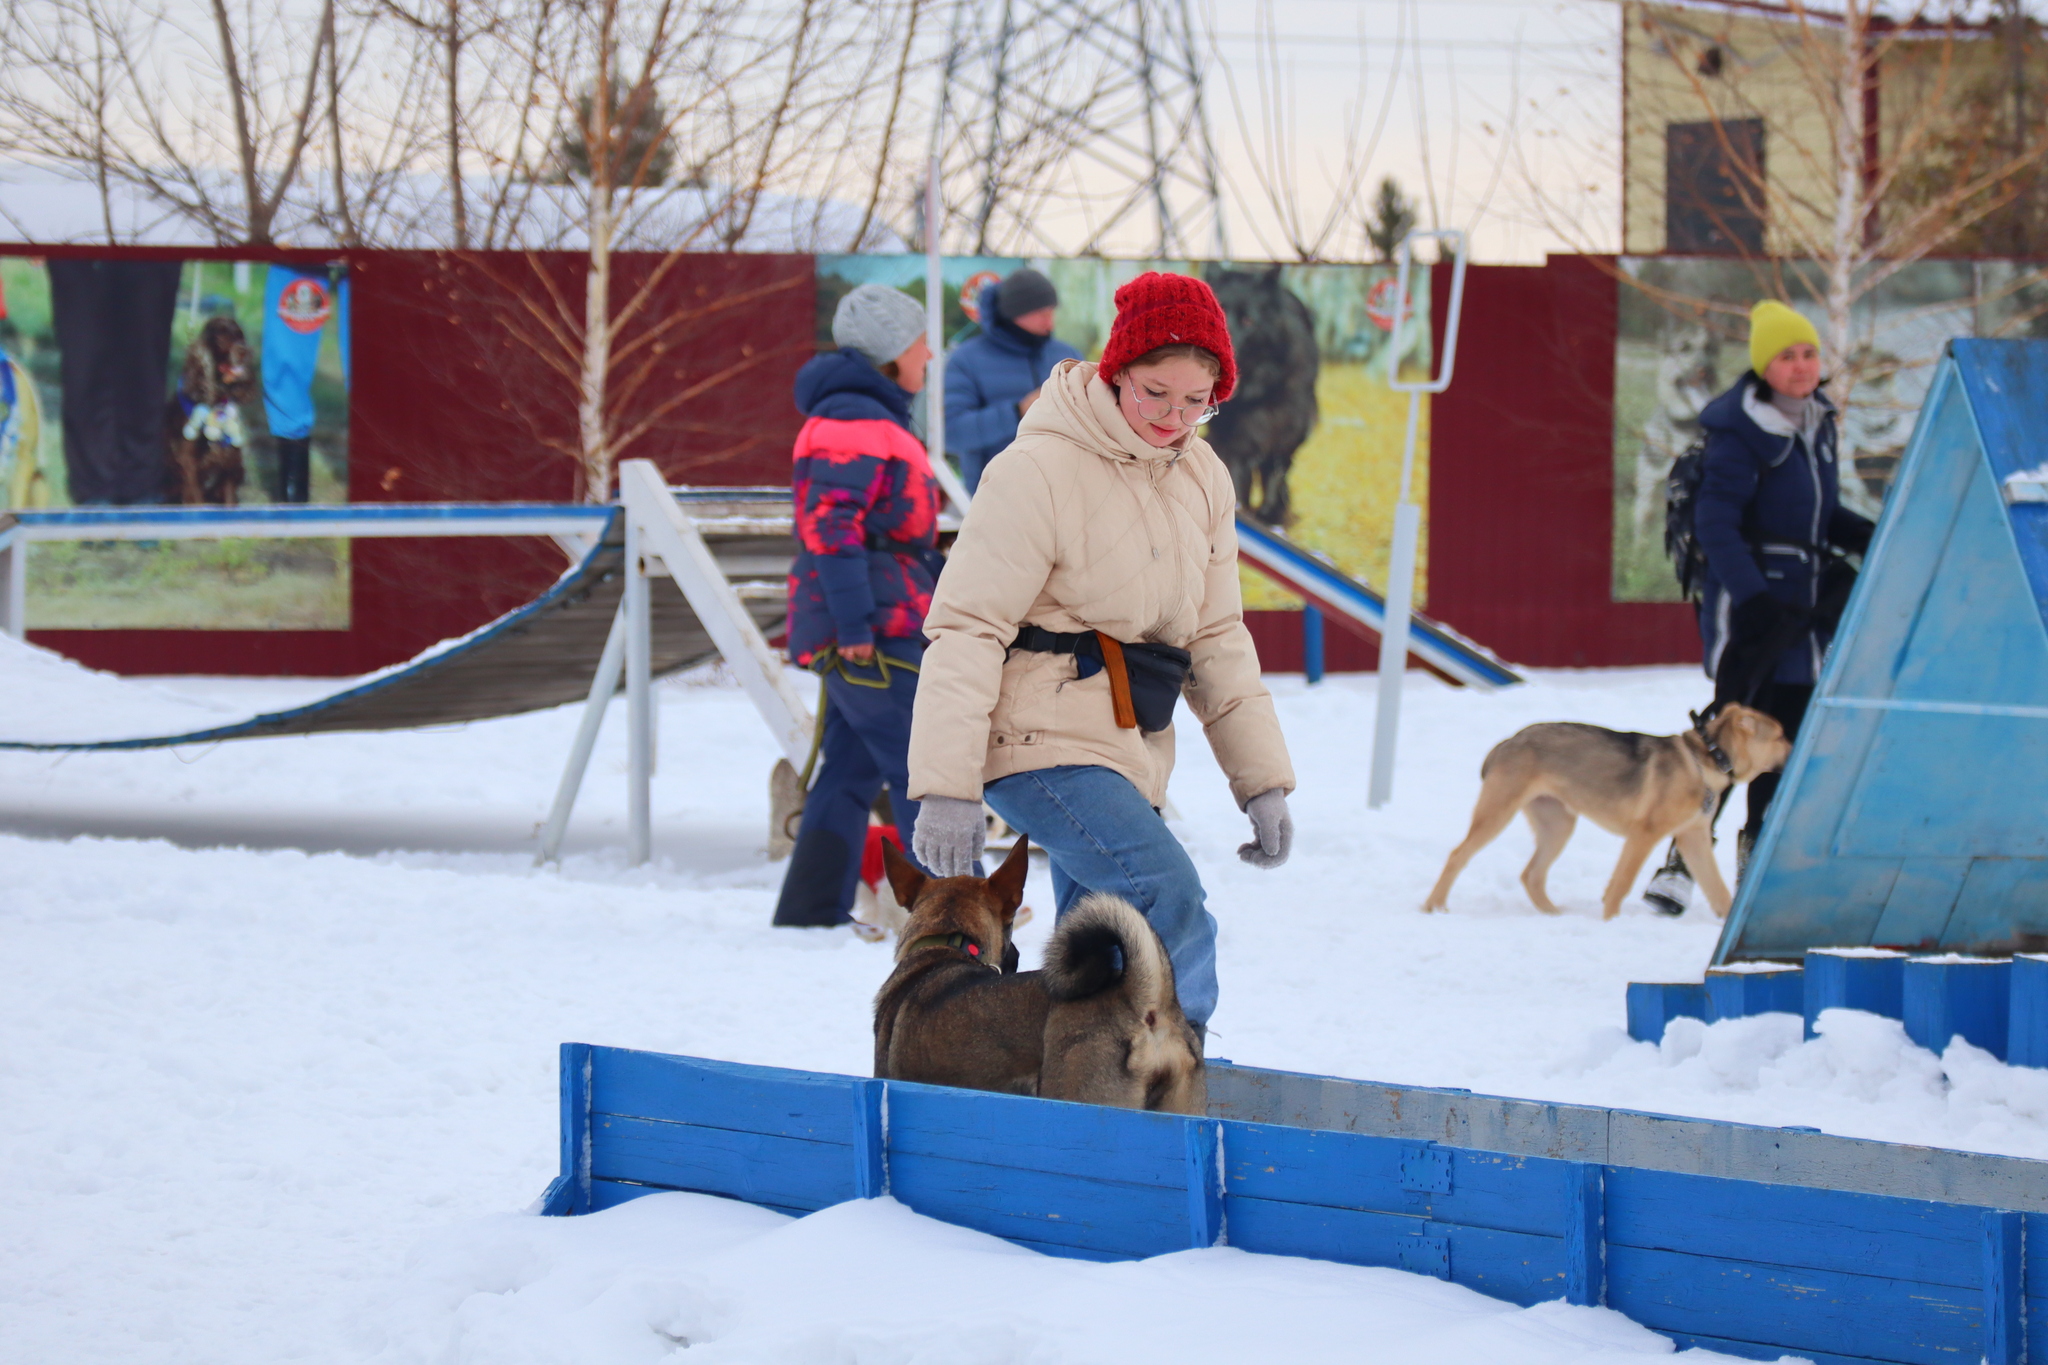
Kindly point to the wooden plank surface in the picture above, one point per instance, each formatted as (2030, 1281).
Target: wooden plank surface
(1350, 1170)
(760, 1168)
(1800, 1310)
(650, 1085)
(1865, 1234)
(1068, 1210)
(1038, 1135)
(1514, 1266)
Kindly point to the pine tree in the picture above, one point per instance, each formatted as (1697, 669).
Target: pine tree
(1393, 217)
(634, 132)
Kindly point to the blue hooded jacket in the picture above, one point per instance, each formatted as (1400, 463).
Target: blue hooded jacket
(1768, 508)
(986, 377)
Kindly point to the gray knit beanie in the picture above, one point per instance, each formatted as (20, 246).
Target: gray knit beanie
(878, 321)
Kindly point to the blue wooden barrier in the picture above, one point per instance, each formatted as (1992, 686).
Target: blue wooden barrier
(1754, 1269)
(1653, 1004)
(1754, 988)
(1949, 996)
(2026, 1040)
(1867, 979)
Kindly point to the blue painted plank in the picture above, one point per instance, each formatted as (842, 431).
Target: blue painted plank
(2004, 1293)
(1038, 1135)
(1585, 1235)
(747, 1099)
(1795, 1226)
(1353, 1170)
(1069, 1253)
(2036, 1319)
(762, 1168)
(1129, 1220)
(2026, 1041)
(1823, 1310)
(1970, 998)
(870, 1140)
(1756, 1350)
(1205, 1181)
(1653, 1004)
(1514, 1266)
(1734, 994)
(574, 1178)
(609, 1194)
(1867, 979)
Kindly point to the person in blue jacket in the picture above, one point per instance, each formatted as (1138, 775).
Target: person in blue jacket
(993, 379)
(1769, 518)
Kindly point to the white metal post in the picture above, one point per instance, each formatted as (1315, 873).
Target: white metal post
(14, 585)
(935, 338)
(639, 695)
(1407, 516)
(603, 687)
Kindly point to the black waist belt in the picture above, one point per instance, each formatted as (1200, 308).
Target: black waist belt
(1145, 680)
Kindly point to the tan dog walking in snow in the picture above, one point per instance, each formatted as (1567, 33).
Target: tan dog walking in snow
(1643, 787)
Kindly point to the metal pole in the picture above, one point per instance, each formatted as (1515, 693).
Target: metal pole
(603, 687)
(935, 338)
(639, 697)
(1407, 516)
(14, 586)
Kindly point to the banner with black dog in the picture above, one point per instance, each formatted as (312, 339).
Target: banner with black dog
(131, 381)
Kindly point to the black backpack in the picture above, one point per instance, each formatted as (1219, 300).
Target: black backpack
(1681, 495)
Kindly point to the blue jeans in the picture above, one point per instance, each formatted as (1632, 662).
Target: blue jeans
(1102, 835)
(867, 744)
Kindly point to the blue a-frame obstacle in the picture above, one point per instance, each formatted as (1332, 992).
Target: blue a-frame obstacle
(1914, 810)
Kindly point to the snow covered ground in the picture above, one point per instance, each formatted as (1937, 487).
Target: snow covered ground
(278, 1012)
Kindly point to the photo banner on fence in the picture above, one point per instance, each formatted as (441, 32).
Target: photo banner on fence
(131, 382)
(1313, 434)
(1683, 339)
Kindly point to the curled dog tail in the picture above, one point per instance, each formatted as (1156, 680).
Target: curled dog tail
(1081, 958)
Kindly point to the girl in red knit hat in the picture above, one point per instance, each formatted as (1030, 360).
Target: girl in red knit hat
(1094, 585)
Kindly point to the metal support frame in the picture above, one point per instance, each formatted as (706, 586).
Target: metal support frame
(603, 687)
(1407, 516)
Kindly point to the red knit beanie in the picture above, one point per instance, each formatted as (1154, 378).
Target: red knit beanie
(1157, 310)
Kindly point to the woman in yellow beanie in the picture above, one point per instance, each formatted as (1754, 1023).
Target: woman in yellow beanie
(1769, 518)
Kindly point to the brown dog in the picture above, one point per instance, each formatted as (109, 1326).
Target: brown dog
(1642, 787)
(1100, 1024)
(203, 419)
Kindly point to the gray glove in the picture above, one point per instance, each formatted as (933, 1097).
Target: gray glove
(1272, 830)
(949, 835)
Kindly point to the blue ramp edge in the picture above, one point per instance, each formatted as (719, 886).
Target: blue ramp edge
(1909, 815)
(538, 655)
(1355, 604)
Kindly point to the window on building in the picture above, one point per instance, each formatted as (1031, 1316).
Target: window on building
(1712, 174)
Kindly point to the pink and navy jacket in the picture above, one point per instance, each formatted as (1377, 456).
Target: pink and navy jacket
(867, 512)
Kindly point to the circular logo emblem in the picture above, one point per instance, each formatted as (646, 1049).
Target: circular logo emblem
(970, 292)
(1379, 303)
(304, 305)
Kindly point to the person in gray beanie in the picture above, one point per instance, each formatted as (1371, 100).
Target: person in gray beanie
(867, 520)
(993, 379)
(878, 321)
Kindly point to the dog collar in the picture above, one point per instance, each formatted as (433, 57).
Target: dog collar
(1714, 751)
(957, 942)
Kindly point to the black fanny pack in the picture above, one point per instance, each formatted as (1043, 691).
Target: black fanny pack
(1145, 680)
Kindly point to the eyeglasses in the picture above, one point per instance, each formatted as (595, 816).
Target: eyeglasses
(1157, 409)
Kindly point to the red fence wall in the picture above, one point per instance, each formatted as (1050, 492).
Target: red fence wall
(456, 395)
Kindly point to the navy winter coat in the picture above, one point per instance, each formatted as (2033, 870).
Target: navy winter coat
(1768, 507)
(986, 377)
(866, 512)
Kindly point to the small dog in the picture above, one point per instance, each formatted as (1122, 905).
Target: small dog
(204, 417)
(956, 1011)
(1643, 787)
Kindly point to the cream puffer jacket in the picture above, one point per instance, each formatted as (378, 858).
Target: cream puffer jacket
(1080, 525)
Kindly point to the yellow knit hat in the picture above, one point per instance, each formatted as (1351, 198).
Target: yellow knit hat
(1773, 327)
